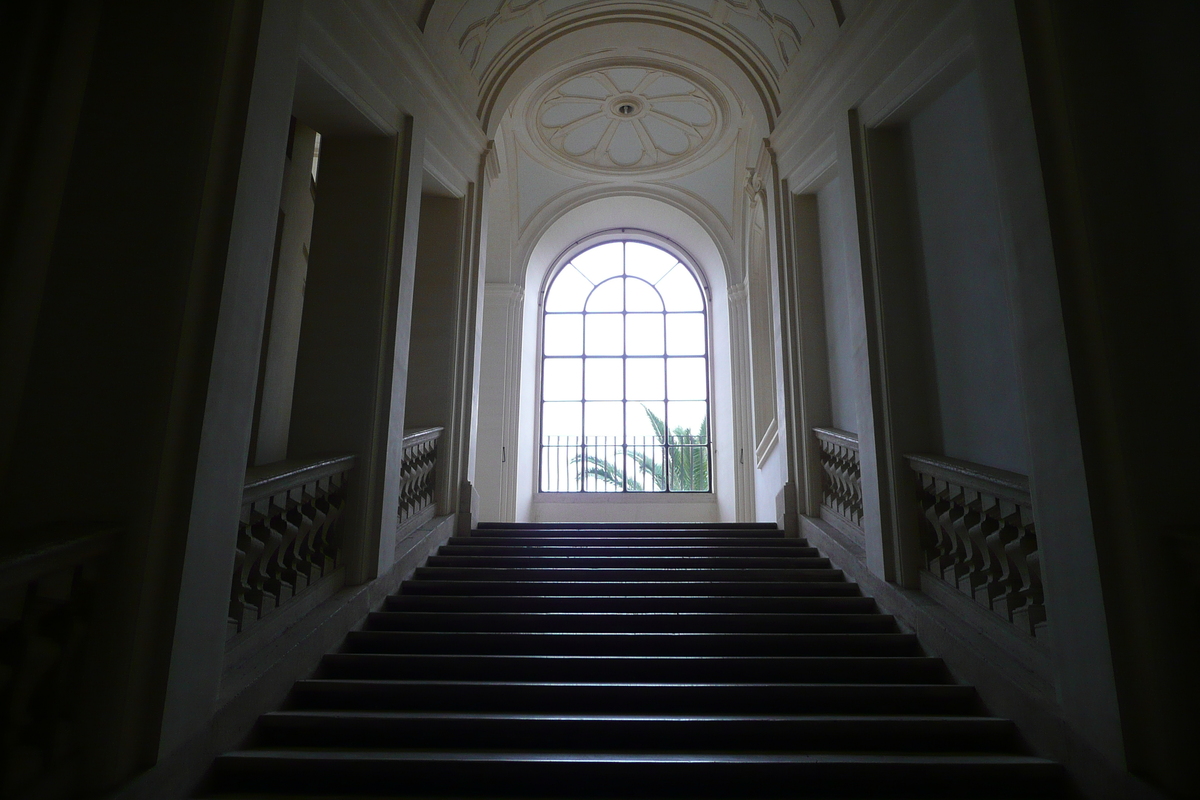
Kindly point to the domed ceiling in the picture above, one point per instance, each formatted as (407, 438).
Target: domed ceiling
(626, 118)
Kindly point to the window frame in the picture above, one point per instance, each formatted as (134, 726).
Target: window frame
(565, 259)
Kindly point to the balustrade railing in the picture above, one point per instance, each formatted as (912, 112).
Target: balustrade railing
(289, 537)
(841, 480)
(46, 598)
(418, 476)
(978, 535)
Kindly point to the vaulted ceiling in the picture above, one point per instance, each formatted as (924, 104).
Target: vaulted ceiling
(663, 98)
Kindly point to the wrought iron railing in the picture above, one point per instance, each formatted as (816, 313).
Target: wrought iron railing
(289, 537)
(637, 464)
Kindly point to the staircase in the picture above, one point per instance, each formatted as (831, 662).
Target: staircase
(618, 662)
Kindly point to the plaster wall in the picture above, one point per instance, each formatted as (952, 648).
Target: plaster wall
(286, 303)
(835, 284)
(431, 341)
(768, 480)
(977, 392)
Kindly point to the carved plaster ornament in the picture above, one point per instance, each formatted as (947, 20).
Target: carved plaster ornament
(627, 118)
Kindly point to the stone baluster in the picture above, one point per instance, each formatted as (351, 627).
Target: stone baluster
(417, 476)
(978, 534)
(841, 475)
(288, 538)
(46, 601)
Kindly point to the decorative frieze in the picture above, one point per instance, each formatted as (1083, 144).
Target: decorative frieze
(841, 481)
(418, 474)
(978, 534)
(46, 599)
(288, 538)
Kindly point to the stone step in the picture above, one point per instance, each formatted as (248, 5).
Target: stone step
(577, 585)
(665, 604)
(601, 574)
(609, 547)
(598, 733)
(630, 698)
(628, 622)
(633, 644)
(635, 669)
(630, 775)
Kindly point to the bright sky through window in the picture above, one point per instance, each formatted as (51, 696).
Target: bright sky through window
(625, 374)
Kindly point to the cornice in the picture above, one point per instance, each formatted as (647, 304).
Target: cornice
(430, 90)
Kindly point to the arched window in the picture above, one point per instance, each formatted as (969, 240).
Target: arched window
(625, 378)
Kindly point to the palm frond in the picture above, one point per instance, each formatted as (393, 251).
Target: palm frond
(606, 472)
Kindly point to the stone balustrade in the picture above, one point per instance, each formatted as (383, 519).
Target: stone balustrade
(978, 534)
(46, 598)
(288, 537)
(418, 476)
(841, 482)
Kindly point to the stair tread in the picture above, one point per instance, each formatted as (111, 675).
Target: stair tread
(293, 714)
(332, 753)
(610, 659)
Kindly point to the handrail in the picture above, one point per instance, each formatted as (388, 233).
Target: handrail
(417, 435)
(976, 476)
(978, 535)
(25, 564)
(842, 437)
(270, 478)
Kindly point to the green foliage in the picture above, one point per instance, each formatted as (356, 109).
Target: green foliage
(685, 469)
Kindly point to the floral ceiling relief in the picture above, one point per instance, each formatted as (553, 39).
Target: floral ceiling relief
(627, 118)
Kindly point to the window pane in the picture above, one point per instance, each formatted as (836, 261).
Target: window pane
(686, 379)
(680, 291)
(603, 380)
(608, 296)
(562, 379)
(686, 421)
(561, 420)
(600, 262)
(685, 334)
(564, 335)
(646, 379)
(602, 419)
(644, 334)
(688, 469)
(641, 296)
(609, 368)
(645, 261)
(568, 291)
(640, 428)
(603, 335)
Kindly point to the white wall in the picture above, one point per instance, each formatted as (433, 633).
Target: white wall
(978, 392)
(517, 336)
(835, 280)
(768, 480)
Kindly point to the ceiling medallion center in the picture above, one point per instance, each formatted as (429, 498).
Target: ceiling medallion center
(625, 106)
(626, 118)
